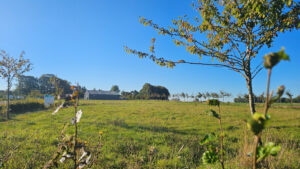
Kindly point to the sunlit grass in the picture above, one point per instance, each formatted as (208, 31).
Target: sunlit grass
(130, 128)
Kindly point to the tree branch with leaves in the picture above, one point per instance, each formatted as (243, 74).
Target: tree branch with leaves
(231, 33)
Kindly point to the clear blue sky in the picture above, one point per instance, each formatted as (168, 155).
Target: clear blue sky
(82, 41)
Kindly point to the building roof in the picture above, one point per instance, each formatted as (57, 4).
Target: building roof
(102, 92)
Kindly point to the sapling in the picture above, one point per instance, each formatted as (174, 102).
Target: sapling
(70, 146)
(211, 156)
(258, 121)
(10, 68)
(290, 95)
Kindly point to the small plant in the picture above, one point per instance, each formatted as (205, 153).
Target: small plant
(212, 155)
(259, 120)
(213, 102)
(70, 146)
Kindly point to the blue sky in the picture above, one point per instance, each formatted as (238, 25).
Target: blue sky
(82, 41)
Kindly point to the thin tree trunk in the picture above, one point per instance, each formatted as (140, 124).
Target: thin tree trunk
(7, 105)
(251, 95)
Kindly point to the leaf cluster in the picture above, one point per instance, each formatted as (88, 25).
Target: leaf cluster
(272, 59)
(208, 138)
(213, 113)
(258, 122)
(267, 150)
(210, 157)
(11, 67)
(213, 102)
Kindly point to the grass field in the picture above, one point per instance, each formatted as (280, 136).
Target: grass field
(172, 130)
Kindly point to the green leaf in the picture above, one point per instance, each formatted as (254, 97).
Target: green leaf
(268, 149)
(208, 138)
(214, 113)
(210, 157)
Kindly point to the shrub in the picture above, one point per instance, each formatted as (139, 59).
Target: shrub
(22, 107)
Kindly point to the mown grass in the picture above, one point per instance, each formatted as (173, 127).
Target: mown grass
(131, 128)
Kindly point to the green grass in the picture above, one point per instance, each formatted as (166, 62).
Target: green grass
(130, 128)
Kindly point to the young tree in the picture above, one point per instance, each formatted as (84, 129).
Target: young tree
(183, 95)
(224, 94)
(208, 95)
(187, 96)
(235, 31)
(204, 96)
(290, 95)
(56, 83)
(214, 95)
(11, 68)
(199, 95)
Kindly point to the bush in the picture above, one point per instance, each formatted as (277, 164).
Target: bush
(22, 107)
(213, 102)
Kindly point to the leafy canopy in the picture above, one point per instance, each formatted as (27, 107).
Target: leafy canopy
(234, 31)
(11, 67)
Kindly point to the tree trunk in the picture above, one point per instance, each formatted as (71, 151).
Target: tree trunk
(7, 105)
(251, 95)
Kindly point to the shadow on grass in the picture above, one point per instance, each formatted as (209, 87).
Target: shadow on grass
(13, 115)
(159, 129)
(284, 127)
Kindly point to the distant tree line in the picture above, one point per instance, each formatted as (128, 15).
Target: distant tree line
(148, 92)
(201, 96)
(261, 98)
(30, 86)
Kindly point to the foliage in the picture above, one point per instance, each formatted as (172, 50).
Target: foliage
(234, 32)
(210, 157)
(148, 92)
(268, 149)
(11, 68)
(26, 84)
(290, 95)
(56, 84)
(258, 121)
(115, 88)
(224, 94)
(272, 59)
(129, 95)
(214, 113)
(35, 94)
(154, 92)
(70, 146)
(208, 138)
(24, 106)
(51, 84)
(46, 84)
(213, 102)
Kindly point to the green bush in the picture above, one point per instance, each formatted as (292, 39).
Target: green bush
(213, 102)
(22, 107)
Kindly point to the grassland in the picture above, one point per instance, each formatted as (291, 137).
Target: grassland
(172, 130)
